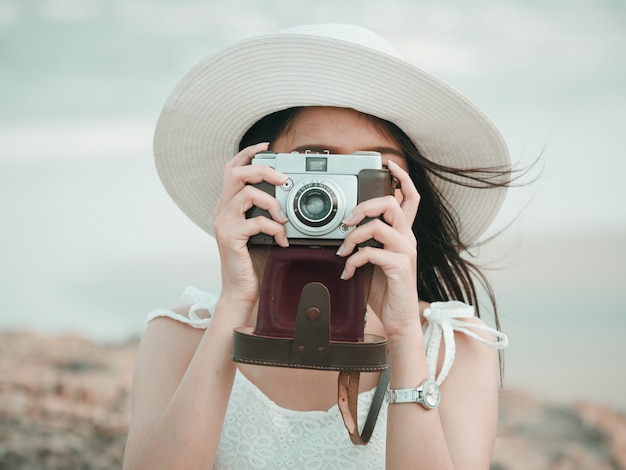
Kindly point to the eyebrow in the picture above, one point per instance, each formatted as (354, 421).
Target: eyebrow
(322, 149)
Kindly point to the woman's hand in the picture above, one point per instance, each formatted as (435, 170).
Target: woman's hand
(393, 294)
(232, 229)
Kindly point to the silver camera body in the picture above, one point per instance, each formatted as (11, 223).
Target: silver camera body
(321, 189)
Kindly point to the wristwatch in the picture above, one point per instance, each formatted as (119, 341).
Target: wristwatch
(427, 395)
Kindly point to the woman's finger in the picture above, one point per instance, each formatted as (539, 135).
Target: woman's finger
(246, 155)
(233, 214)
(387, 207)
(238, 173)
(392, 240)
(410, 197)
(393, 264)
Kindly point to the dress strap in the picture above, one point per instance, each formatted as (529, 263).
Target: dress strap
(200, 301)
(444, 318)
(200, 312)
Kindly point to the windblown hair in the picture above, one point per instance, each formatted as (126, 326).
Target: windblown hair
(442, 273)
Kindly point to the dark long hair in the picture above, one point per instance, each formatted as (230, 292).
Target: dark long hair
(442, 273)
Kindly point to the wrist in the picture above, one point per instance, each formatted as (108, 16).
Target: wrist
(408, 359)
(232, 312)
(406, 340)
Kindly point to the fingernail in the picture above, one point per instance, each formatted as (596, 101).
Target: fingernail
(346, 220)
(283, 216)
(343, 274)
(340, 250)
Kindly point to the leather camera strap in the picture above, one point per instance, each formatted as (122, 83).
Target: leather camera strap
(347, 401)
(348, 388)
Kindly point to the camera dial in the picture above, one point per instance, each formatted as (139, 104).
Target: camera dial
(287, 185)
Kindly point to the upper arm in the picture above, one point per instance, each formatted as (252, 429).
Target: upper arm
(164, 353)
(469, 402)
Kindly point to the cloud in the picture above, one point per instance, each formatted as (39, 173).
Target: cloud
(77, 140)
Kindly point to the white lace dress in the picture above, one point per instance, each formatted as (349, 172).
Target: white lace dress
(258, 434)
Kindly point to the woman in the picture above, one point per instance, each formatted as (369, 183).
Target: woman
(340, 89)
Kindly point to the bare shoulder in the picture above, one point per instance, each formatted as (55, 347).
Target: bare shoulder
(469, 403)
(474, 358)
(165, 351)
(165, 337)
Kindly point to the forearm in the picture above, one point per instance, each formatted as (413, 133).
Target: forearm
(187, 433)
(415, 437)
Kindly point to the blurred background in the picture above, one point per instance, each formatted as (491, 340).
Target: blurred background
(90, 242)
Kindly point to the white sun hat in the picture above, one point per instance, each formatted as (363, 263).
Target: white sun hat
(220, 98)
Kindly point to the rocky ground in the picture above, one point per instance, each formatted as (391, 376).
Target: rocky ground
(64, 404)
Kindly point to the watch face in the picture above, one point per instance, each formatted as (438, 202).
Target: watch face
(430, 394)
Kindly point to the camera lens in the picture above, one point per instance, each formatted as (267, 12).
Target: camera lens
(315, 204)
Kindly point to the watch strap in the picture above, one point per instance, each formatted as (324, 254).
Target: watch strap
(420, 395)
(404, 395)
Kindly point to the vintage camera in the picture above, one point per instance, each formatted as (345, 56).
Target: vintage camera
(321, 190)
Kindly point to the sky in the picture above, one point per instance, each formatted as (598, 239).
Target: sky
(91, 242)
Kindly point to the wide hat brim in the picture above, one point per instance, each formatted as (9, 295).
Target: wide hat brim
(219, 99)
